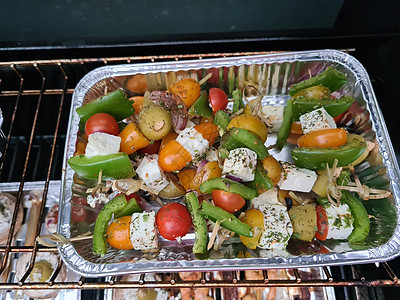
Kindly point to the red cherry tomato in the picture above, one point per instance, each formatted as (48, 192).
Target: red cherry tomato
(102, 122)
(173, 220)
(78, 211)
(338, 118)
(231, 202)
(322, 223)
(151, 149)
(137, 198)
(218, 99)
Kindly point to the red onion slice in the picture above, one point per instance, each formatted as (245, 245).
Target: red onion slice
(234, 178)
(201, 165)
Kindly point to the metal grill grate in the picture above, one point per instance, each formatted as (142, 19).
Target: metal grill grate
(35, 99)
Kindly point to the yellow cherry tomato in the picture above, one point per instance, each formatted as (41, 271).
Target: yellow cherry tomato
(255, 219)
(250, 123)
(186, 177)
(210, 170)
(273, 168)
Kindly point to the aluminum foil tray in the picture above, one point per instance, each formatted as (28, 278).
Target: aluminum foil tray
(272, 75)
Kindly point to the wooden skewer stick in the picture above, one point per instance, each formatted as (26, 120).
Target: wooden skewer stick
(203, 80)
(33, 219)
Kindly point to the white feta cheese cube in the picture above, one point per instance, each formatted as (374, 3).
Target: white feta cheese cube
(241, 163)
(151, 174)
(143, 233)
(100, 143)
(340, 222)
(316, 120)
(272, 116)
(296, 179)
(268, 197)
(277, 227)
(193, 142)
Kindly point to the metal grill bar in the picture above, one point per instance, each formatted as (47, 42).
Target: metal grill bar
(197, 284)
(175, 281)
(24, 249)
(36, 92)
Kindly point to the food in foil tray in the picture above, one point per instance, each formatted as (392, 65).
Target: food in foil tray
(46, 263)
(209, 161)
(7, 205)
(143, 293)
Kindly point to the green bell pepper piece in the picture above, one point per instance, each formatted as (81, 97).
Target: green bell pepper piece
(333, 106)
(228, 220)
(113, 166)
(199, 223)
(261, 182)
(104, 217)
(238, 100)
(284, 130)
(129, 209)
(221, 119)
(201, 108)
(314, 158)
(227, 185)
(361, 220)
(330, 78)
(242, 138)
(114, 103)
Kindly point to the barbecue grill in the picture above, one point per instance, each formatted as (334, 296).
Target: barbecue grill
(36, 86)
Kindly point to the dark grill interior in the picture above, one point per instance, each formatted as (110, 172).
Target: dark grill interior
(35, 98)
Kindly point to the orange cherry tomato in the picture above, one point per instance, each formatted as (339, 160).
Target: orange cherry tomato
(296, 128)
(137, 84)
(334, 137)
(132, 139)
(188, 89)
(80, 147)
(210, 170)
(208, 130)
(322, 223)
(292, 138)
(185, 177)
(169, 137)
(231, 202)
(118, 233)
(173, 157)
(137, 103)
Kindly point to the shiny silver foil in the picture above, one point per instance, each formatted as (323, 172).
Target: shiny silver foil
(272, 75)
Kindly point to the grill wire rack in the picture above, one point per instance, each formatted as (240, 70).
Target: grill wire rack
(35, 98)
